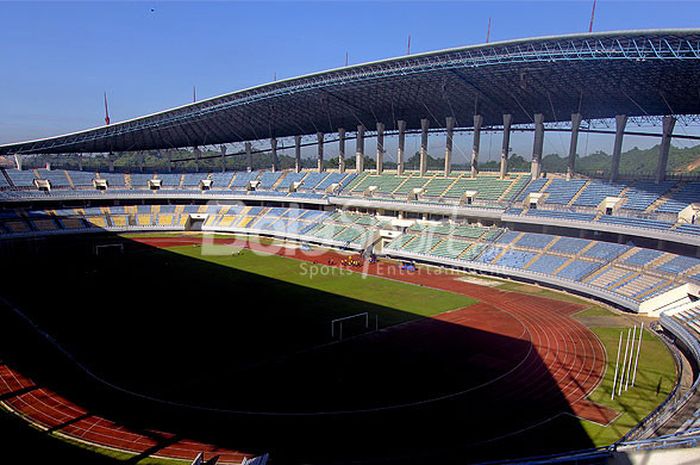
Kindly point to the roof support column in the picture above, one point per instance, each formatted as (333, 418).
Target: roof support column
(169, 156)
(249, 155)
(196, 159)
(505, 146)
(401, 124)
(380, 148)
(18, 162)
(297, 154)
(478, 121)
(110, 161)
(450, 125)
(222, 148)
(80, 161)
(273, 151)
(360, 149)
(424, 125)
(538, 146)
(319, 138)
(620, 123)
(573, 145)
(669, 122)
(341, 150)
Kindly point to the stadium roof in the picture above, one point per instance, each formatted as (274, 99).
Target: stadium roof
(637, 73)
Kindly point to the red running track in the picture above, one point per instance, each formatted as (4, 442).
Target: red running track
(51, 412)
(572, 355)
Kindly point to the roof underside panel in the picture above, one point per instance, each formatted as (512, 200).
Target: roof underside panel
(598, 75)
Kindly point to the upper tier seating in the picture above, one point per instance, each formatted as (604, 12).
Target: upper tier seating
(268, 179)
(290, 179)
(596, 191)
(562, 191)
(21, 178)
(642, 194)
(221, 180)
(243, 178)
(677, 201)
(114, 179)
(312, 180)
(81, 178)
(170, 180)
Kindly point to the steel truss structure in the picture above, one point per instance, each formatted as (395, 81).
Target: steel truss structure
(642, 74)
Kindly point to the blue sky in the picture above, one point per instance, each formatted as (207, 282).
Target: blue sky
(57, 58)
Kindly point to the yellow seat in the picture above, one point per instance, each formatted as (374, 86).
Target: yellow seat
(165, 220)
(119, 220)
(144, 220)
(98, 221)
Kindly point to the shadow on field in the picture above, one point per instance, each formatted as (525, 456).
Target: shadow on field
(256, 354)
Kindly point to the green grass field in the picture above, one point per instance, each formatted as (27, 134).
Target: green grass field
(408, 298)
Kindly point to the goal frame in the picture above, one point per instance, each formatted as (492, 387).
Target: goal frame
(340, 321)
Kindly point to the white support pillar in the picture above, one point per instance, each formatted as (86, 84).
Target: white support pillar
(319, 138)
(620, 123)
(478, 121)
(169, 155)
(80, 161)
(505, 146)
(249, 155)
(449, 135)
(401, 147)
(380, 148)
(273, 152)
(538, 146)
(341, 150)
(297, 154)
(576, 119)
(424, 125)
(18, 162)
(360, 149)
(669, 122)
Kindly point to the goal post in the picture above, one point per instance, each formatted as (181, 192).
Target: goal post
(338, 323)
(109, 249)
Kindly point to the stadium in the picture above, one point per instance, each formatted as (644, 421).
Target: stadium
(382, 307)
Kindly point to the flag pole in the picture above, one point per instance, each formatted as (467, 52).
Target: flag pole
(639, 346)
(624, 363)
(617, 364)
(629, 366)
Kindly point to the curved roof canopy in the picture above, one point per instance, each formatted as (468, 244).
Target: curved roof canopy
(637, 73)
